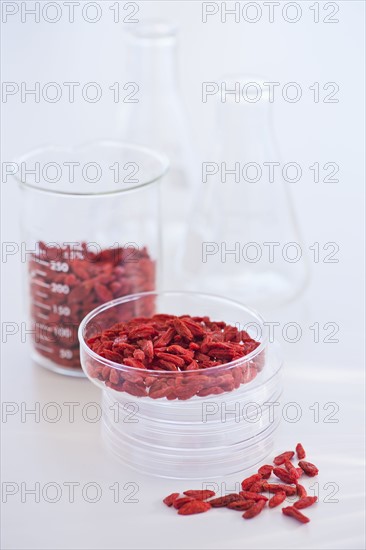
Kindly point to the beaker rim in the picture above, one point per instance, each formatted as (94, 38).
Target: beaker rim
(160, 158)
(154, 30)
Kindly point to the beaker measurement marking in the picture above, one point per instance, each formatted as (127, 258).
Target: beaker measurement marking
(42, 262)
(44, 348)
(41, 283)
(41, 315)
(43, 336)
(39, 304)
(41, 294)
(40, 273)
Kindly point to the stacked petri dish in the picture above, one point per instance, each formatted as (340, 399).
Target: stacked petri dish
(195, 437)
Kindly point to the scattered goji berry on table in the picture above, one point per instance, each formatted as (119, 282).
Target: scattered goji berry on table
(255, 509)
(309, 469)
(200, 494)
(292, 470)
(251, 501)
(249, 481)
(265, 471)
(284, 475)
(194, 507)
(277, 499)
(252, 496)
(169, 500)
(221, 502)
(281, 459)
(274, 487)
(292, 512)
(301, 491)
(179, 502)
(305, 502)
(300, 451)
(240, 505)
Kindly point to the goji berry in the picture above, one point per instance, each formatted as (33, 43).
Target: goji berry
(265, 471)
(274, 487)
(170, 499)
(277, 499)
(249, 481)
(300, 451)
(252, 496)
(292, 470)
(240, 505)
(179, 502)
(284, 476)
(255, 509)
(257, 487)
(283, 457)
(301, 491)
(308, 468)
(221, 502)
(194, 507)
(203, 494)
(305, 502)
(292, 512)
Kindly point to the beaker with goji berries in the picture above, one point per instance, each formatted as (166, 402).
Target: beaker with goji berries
(91, 233)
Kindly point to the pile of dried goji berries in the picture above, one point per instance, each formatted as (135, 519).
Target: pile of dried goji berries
(170, 355)
(250, 499)
(68, 281)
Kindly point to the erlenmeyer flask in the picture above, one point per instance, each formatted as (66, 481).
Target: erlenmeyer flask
(157, 118)
(243, 240)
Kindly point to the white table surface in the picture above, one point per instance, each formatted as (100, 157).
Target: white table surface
(72, 452)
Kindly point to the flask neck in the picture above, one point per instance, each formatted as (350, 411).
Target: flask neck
(151, 54)
(247, 126)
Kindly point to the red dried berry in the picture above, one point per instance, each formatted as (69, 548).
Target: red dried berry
(292, 512)
(301, 491)
(277, 499)
(179, 502)
(170, 499)
(103, 293)
(300, 451)
(200, 494)
(221, 502)
(308, 468)
(182, 329)
(86, 280)
(248, 482)
(254, 510)
(249, 495)
(292, 470)
(194, 507)
(305, 502)
(274, 487)
(257, 487)
(265, 471)
(282, 458)
(162, 343)
(240, 505)
(284, 476)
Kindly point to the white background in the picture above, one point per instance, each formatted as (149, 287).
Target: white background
(304, 52)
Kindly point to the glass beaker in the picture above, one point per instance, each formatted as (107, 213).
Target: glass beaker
(243, 239)
(91, 233)
(155, 117)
